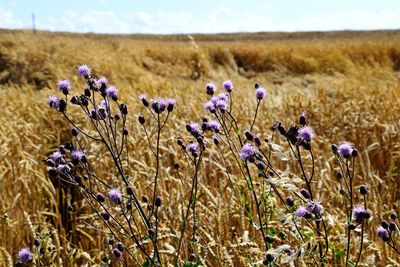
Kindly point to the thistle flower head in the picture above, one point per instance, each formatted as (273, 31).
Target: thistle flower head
(383, 233)
(260, 93)
(25, 255)
(77, 155)
(247, 152)
(101, 82)
(111, 91)
(314, 206)
(223, 97)
(192, 148)
(210, 88)
(358, 214)
(84, 70)
(53, 102)
(214, 126)
(170, 104)
(209, 106)
(56, 156)
(221, 105)
(301, 211)
(115, 195)
(64, 86)
(306, 133)
(194, 127)
(345, 149)
(228, 85)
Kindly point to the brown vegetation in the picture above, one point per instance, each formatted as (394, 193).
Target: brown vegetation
(348, 83)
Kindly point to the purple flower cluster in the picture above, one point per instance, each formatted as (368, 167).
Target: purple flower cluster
(228, 85)
(359, 214)
(306, 133)
(247, 152)
(345, 149)
(115, 195)
(84, 70)
(64, 86)
(53, 102)
(260, 93)
(25, 255)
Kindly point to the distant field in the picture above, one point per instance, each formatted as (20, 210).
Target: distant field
(349, 83)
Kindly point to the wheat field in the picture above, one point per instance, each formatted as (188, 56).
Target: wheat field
(349, 84)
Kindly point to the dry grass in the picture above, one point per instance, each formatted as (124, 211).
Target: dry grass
(348, 84)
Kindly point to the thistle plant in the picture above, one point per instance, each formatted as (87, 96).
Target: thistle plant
(129, 222)
(273, 171)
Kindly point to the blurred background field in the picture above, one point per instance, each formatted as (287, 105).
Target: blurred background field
(348, 82)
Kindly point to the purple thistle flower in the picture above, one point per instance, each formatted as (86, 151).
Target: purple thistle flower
(111, 91)
(260, 93)
(228, 85)
(162, 104)
(84, 70)
(314, 206)
(214, 126)
(345, 149)
(383, 233)
(115, 195)
(170, 104)
(210, 106)
(223, 97)
(194, 127)
(25, 255)
(77, 155)
(56, 156)
(301, 211)
(358, 214)
(221, 105)
(103, 104)
(306, 133)
(247, 152)
(53, 102)
(192, 148)
(101, 82)
(210, 88)
(64, 86)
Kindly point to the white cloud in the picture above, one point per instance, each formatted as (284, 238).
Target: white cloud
(7, 20)
(222, 19)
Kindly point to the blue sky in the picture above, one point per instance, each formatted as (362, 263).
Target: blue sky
(204, 16)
